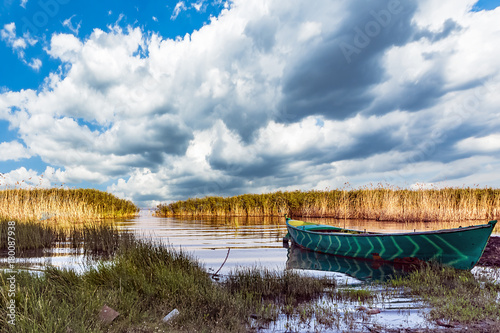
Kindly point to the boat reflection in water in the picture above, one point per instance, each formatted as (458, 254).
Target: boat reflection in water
(364, 270)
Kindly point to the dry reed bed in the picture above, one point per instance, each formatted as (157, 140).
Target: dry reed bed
(383, 204)
(62, 205)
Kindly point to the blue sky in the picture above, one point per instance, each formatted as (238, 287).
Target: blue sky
(44, 18)
(165, 100)
(486, 5)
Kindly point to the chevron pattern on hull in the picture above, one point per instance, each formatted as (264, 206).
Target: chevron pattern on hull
(460, 248)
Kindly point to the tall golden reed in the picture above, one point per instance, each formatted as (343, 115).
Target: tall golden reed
(62, 205)
(380, 203)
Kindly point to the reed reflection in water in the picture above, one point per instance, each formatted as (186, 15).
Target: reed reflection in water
(253, 242)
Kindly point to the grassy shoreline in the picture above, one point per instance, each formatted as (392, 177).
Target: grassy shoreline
(382, 204)
(144, 282)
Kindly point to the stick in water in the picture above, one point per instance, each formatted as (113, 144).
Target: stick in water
(227, 255)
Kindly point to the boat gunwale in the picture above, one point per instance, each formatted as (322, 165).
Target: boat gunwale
(375, 234)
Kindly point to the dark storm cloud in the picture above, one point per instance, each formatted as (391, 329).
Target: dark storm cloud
(443, 148)
(334, 78)
(243, 120)
(417, 95)
(368, 145)
(455, 173)
(147, 159)
(449, 27)
(421, 94)
(262, 31)
(192, 185)
(145, 197)
(162, 135)
(266, 165)
(263, 166)
(424, 142)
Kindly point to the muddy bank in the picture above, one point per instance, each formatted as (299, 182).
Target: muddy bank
(491, 255)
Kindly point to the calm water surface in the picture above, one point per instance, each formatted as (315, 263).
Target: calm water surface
(246, 242)
(250, 241)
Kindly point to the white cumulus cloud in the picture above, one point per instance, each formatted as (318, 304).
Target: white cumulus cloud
(13, 150)
(19, 44)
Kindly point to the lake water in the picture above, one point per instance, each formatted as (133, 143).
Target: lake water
(246, 242)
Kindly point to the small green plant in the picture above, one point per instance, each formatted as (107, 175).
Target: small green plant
(353, 295)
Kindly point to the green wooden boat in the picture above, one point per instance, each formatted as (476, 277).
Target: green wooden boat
(460, 248)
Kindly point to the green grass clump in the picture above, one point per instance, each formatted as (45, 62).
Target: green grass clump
(144, 282)
(354, 295)
(103, 239)
(375, 203)
(286, 287)
(455, 295)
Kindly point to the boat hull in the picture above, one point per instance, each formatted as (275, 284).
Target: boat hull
(460, 248)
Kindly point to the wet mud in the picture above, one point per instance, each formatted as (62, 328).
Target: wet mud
(491, 255)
